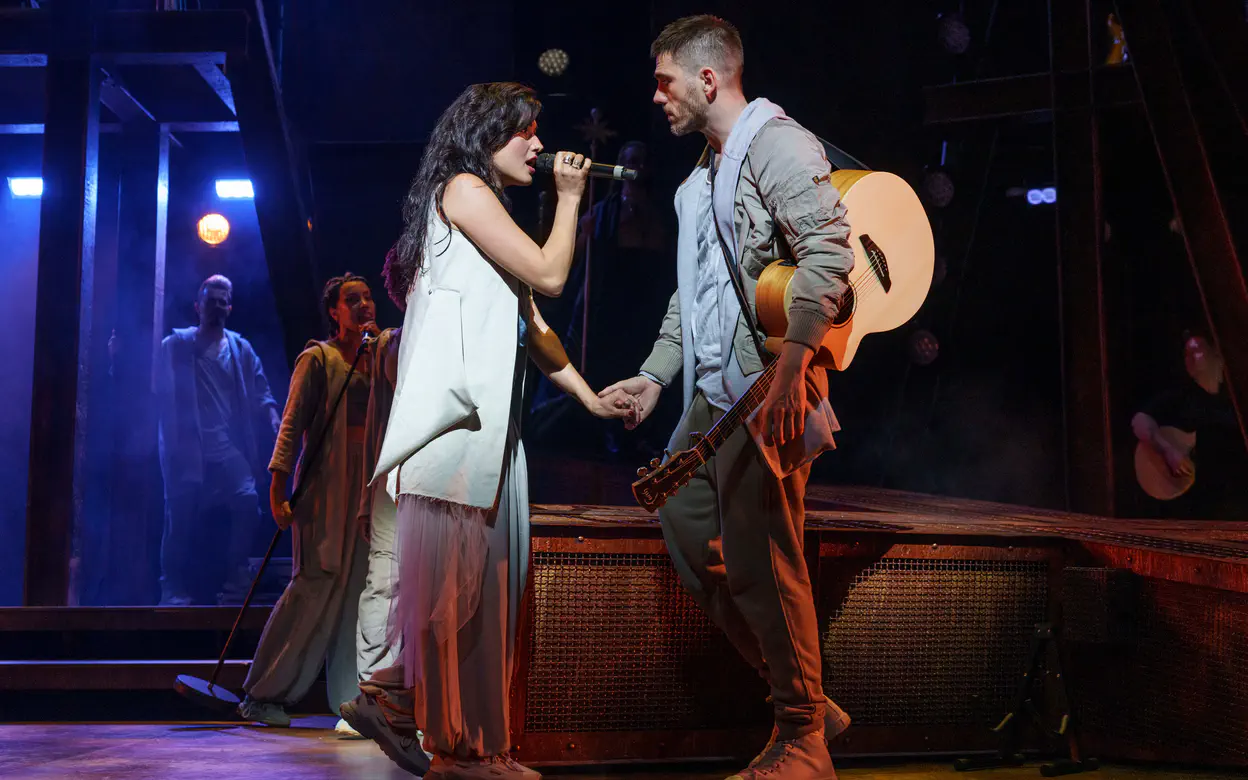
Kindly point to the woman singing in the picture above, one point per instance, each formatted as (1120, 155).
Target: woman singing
(452, 454)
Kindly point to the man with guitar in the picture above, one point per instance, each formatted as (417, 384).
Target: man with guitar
(762, 191)
(1191, 426)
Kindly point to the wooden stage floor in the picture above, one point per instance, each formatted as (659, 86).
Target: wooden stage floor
(311, 751)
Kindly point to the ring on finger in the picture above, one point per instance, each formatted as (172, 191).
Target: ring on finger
(567, 159)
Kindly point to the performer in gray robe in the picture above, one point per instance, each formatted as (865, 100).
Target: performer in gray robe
(314, 621)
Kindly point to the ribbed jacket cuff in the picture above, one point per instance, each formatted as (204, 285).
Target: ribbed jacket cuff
(664, 363)
(807, 327)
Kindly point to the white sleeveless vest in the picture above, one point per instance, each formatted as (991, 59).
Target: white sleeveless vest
(452, 403)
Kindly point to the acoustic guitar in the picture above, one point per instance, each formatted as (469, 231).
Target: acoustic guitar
(1154, 474)
(894, 256)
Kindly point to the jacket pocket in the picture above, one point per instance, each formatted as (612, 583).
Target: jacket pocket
(743, 343)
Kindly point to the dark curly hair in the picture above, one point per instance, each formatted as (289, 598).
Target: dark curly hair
(388, 279)
(332, 293)
(479, 123)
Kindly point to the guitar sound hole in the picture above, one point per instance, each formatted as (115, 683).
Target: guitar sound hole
(846, 313)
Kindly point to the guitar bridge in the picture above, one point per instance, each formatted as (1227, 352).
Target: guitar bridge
(879, 263)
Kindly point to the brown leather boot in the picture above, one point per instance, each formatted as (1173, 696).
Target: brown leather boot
(804, 758)
(835, 721)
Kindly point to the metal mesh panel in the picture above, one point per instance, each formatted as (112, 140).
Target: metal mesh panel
(1097, 604)
(1182, 680)
(932, 641)
(617, 645)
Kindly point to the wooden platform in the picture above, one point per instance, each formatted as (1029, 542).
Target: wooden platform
(1209, 553)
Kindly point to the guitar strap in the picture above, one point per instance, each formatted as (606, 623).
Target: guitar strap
(734, 270)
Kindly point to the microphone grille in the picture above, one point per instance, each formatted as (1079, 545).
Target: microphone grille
(545, 162)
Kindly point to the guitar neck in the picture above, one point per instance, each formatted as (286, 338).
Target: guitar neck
(738, 414)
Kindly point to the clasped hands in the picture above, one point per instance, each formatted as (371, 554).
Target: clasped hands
(781, 417)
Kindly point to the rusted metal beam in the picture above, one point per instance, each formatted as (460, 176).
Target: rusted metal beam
(114, 127)
(202, 127)
(23, 60)
(276, 170)
(1088, 411)
(1225, 34)
(120, 101)
(66, 256)
(29, 32)
(144, 209)
(213, 76)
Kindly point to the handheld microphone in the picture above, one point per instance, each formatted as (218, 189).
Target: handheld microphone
(546, 164)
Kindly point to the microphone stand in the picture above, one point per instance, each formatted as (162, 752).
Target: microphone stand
(589, 254)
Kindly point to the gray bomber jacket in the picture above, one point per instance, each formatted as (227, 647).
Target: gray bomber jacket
(786, 207)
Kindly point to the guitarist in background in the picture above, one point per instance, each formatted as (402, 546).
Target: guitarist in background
(1204, 408)
(735, 530)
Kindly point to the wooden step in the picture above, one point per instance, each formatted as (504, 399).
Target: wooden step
(113, 675)
(36, 619)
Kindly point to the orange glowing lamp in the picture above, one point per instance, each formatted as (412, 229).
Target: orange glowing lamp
(213, 229)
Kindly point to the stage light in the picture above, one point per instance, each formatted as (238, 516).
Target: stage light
(954, 35)
(924, 348)
(213, 229)
(235, 189)
(553, 62)
(26, 186)
(938, 186)
(1041, 195)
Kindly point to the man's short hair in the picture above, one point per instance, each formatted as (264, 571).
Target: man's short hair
(217, 282)
(696, 42)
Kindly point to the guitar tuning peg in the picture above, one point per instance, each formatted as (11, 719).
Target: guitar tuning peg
(666, 453)
(641, 472)
(655, 463)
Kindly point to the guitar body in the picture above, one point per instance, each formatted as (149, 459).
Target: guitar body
(894, 256)
(1152, 472)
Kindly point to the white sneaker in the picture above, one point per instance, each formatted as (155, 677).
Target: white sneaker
(344, 730)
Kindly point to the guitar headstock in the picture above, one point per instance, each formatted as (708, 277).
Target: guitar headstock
(660, 482)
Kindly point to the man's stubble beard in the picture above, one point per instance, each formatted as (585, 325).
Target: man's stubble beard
(696, 121)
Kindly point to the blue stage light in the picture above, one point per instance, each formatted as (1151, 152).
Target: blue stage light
(26, 186)
(235, 189)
